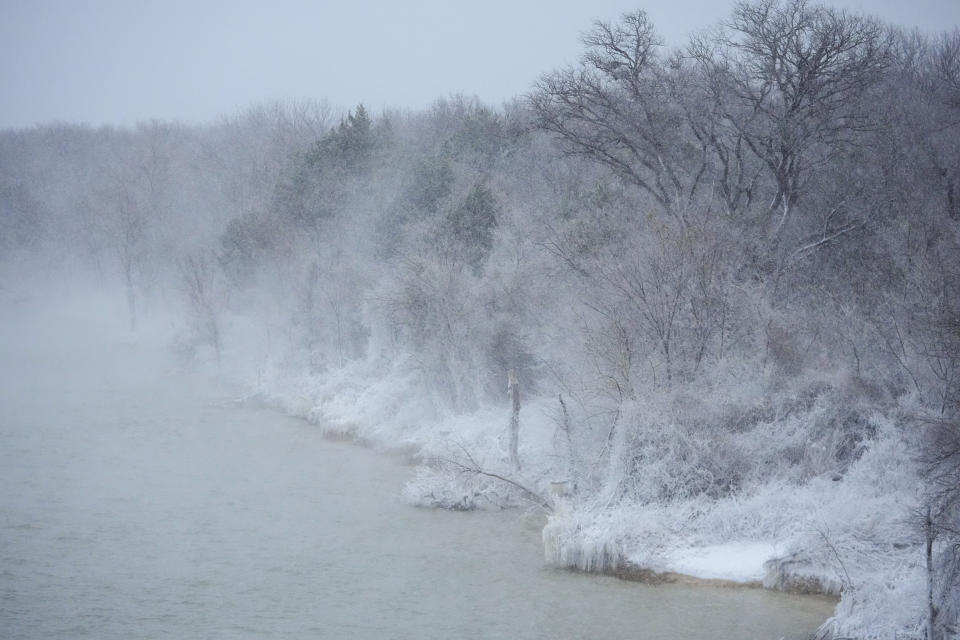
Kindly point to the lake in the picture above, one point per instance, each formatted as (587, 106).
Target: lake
(139, 501)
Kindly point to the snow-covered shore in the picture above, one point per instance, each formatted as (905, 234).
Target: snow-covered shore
(850, 537)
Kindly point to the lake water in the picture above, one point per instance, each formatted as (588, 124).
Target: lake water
(137, 501)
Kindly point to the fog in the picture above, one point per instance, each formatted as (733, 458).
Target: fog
(693, 312)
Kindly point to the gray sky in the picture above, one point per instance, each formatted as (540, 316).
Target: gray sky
(122, 61)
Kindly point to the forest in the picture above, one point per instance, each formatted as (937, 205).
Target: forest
(724, 280)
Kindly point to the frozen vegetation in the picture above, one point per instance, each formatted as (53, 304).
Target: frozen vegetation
(725, 279)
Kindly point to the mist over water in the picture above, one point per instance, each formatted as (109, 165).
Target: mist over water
(139, 500)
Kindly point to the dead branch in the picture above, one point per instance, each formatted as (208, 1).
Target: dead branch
(473, 467)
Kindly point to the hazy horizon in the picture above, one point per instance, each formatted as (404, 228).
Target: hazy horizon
(112, 63)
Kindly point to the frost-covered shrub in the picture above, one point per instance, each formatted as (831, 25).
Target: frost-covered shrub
(680, 449)
(441, 486)
(662, 460)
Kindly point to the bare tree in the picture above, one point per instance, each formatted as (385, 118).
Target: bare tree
(703, 93)
(616, 109)
(204, 298)
(794, 78)
(117, 220)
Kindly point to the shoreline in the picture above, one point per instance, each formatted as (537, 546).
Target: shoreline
(635, 573)
(789, 584)
(389, 419)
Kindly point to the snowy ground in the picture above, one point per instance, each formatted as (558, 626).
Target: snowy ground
(742, 562)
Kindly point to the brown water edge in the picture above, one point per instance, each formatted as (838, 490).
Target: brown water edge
(794, 585)
(782, 580)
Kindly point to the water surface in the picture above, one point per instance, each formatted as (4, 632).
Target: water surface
(138, 501)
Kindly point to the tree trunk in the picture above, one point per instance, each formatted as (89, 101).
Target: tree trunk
(571, 456)
(932, 633)
(513, 387)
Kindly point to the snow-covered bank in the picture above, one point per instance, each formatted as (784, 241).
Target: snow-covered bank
(849, 535)
(854, 538)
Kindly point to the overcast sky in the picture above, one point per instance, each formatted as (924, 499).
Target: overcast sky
(123, 61)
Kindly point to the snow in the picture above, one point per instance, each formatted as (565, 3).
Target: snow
(734, 561)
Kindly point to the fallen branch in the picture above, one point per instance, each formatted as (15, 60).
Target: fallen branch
(472, 466)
